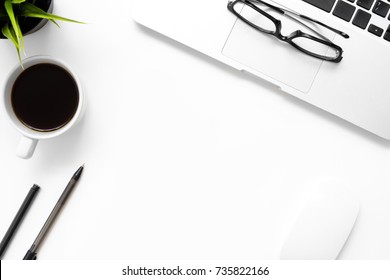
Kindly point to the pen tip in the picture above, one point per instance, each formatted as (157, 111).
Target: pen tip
(78, 172)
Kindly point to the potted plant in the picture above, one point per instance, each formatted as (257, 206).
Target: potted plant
(22, 17)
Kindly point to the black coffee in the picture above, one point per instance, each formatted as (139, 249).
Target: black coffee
(45, 97)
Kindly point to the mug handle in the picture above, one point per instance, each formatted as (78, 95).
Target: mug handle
(26, 147)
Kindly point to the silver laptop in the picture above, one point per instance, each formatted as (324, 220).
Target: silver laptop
(334, 54)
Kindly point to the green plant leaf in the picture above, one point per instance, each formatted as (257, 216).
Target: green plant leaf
(53, 21)
(15, 24)
(10, 12)
(29, 10)
(9, 33)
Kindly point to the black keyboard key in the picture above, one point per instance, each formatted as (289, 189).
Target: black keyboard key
(381, 8)
(375, 30)
(344, 10)
(361, 19)
(325, 5)
(366, 4)
(387, 34)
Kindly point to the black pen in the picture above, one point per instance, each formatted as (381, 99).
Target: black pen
(32, 253)
(18, 218)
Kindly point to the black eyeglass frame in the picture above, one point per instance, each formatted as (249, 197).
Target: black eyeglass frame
(296, 34)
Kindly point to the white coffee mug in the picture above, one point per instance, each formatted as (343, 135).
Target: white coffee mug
(30, 137)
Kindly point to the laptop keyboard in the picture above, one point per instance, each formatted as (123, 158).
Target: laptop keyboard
(360, 13)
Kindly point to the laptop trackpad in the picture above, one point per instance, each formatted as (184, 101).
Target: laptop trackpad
(267, 55)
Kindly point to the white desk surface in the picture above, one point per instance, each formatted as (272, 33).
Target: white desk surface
(185, 158)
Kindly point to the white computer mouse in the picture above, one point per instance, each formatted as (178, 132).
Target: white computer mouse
(323, 224)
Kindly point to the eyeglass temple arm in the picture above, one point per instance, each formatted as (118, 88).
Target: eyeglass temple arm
(341, 33)
(283, 11)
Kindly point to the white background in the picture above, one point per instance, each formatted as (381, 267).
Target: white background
(185, 158)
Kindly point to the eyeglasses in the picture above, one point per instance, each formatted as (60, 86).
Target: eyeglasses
(316, 45)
